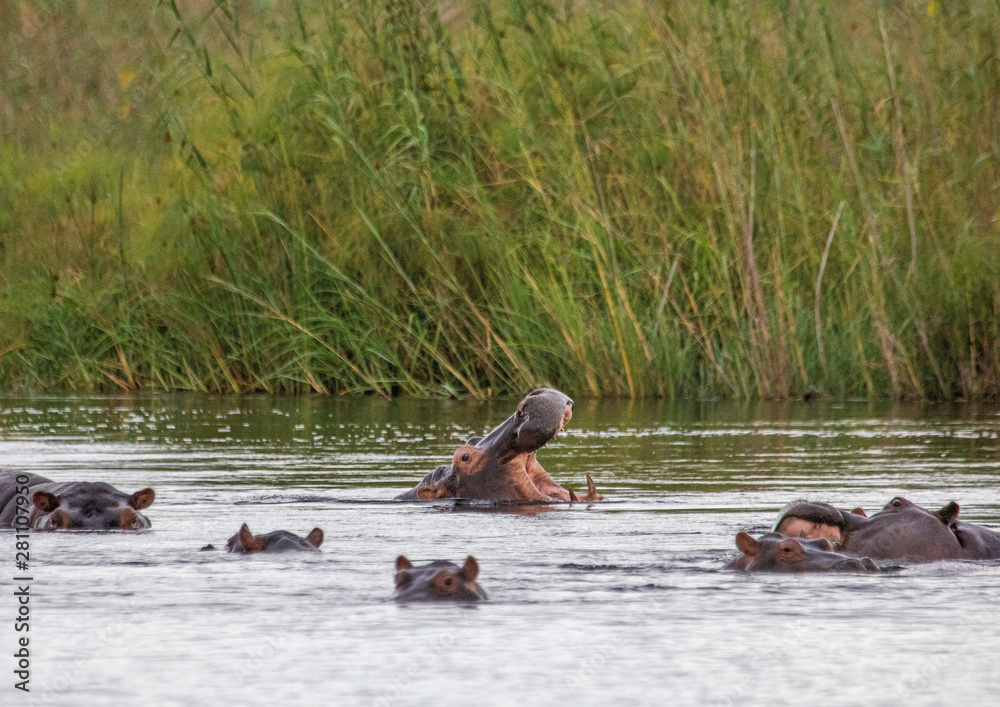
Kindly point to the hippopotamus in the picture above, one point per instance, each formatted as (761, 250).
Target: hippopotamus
(245, 542)
(503, 466)
(64, 505)
(774, 552)
(901, 530)
(978, 543)
(437, 581)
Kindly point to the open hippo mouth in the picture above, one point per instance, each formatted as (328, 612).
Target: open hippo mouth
(503, 466)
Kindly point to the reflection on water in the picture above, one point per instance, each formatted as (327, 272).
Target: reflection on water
(620, 601)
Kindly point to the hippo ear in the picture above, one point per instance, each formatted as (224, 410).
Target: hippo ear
(315, 537)
(249, 542)
(470, 570)
(141, 499)
(747, 545)
(592, 494)
(403, 564)
(44, 501)
(473, 441)
(948, 514)
(859, 512)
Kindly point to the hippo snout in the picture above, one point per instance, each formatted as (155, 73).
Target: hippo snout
(540, 417)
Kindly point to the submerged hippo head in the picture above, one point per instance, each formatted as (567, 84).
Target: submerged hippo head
(901, 530)
(90, 505)
(245, 542)
(774, 552)
(438, 581)
(502, 466)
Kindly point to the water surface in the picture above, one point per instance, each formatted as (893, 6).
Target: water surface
(620, 602)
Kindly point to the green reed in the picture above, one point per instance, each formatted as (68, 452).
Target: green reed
(618, 199)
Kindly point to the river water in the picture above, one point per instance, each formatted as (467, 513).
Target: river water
(617, 602)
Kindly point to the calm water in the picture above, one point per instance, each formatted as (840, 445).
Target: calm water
(621, 602)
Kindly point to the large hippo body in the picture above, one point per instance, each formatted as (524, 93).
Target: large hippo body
(503, 466)
(901, 530)
(774, 552)
(60, 505)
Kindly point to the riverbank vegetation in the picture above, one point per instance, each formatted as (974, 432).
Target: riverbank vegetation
(761, 199)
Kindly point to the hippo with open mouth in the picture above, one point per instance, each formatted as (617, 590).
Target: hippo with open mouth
(70, 505)
(245, 542)
(901, 530)
(503, 466)
(774, 552)
(437, 581)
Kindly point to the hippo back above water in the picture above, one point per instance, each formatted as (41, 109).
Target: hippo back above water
(901, 530)
(70, 505)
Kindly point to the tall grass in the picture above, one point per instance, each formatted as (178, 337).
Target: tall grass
(616, 198)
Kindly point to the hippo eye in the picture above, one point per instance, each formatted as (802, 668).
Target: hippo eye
(896, 503)
(465, 457)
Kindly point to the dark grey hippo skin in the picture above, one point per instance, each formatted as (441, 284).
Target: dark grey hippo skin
(245, 542)
(438, 581)
(774, 552)
(901, 530)
(72, 505)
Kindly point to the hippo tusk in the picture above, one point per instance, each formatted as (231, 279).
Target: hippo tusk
(572, 496)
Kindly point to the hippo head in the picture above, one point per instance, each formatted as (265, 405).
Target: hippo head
(947, 515)
(437, 581)
(245, 542)
(502, 466)
(91, 505)
(901, 530)
(774, 552)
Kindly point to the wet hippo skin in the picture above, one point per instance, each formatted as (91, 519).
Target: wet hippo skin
(902, 530)
(73, 505)
(503, 466)
(774, 552)
(245, 542)
(437, 581)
